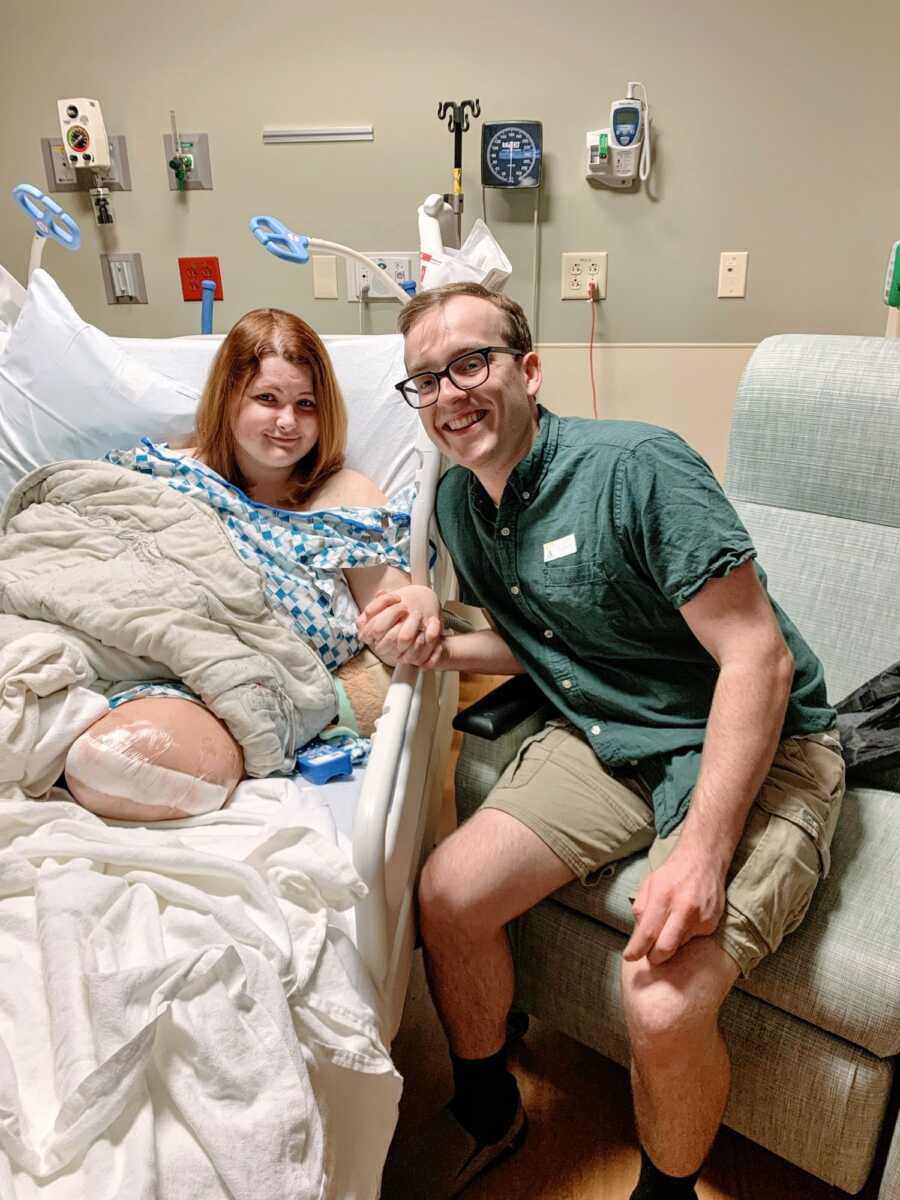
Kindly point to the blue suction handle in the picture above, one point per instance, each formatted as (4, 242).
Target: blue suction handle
(49, 219)
(275, 237)
(206, 312)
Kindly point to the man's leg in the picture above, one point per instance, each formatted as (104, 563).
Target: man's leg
(680, 1066)
(555, 814)
(492, 869)
(680, 1070)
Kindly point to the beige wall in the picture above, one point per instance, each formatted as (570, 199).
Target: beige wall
(771, 124)
(688, 388)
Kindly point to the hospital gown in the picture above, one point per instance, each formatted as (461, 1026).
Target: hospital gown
(301, 556)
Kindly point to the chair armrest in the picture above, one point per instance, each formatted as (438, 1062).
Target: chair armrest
(502, 709)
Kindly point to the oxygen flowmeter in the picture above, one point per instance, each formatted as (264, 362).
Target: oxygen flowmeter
(892, 292)
(86, 146)
(620, 154)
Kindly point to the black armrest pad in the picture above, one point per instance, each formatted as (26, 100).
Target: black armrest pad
(502, 709)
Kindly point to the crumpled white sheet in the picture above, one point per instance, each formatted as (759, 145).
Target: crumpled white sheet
(182, 1014)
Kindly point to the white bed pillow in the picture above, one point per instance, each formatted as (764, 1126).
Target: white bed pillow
(67, 390)
(12, 297)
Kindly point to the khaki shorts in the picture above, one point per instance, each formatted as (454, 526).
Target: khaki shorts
(590, 817)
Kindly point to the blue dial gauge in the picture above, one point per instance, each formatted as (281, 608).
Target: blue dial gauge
(511, 154)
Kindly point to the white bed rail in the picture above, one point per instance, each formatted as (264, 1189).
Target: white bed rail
(391, 804)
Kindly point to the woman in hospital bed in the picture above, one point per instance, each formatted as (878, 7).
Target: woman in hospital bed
(267, 455)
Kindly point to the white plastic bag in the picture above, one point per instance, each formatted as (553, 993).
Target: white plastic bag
(480, 259)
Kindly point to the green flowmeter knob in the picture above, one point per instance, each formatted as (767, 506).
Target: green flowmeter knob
(892, 278)
(182, 165)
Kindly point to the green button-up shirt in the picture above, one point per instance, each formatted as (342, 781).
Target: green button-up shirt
(604, 530)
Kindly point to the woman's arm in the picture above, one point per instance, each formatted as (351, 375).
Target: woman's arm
(365, 583)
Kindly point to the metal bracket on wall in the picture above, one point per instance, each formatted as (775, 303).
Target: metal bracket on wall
(62, 176)
(123, 278)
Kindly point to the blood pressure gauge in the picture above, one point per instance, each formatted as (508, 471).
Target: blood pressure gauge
(511, 153)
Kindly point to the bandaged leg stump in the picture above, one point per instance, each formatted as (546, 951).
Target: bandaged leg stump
(154, 759)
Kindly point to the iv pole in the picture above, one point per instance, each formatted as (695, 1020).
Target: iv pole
(458, 124)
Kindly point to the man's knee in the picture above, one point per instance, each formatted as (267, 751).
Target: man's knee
(445, 907)
(667, 1008)
(453, 903)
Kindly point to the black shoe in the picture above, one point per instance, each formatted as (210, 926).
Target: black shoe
(516, 1026)
(443, 1158)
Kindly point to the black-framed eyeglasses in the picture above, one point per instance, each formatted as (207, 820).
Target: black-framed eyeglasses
(467, 371)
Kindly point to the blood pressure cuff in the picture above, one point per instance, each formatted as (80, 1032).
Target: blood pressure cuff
(869, 725)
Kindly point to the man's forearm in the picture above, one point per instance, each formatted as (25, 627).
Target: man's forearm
(482, 652)
(742, 736)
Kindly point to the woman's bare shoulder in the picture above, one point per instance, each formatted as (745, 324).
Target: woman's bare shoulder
(350, 488)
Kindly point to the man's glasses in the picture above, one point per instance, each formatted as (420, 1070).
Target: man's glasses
(467, 371)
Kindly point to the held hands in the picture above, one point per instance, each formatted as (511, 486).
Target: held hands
(682, 899)
(404, 626)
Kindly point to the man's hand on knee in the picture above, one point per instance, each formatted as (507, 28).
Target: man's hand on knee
(682, 899)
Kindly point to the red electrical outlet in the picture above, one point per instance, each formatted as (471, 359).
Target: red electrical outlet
(193, 271)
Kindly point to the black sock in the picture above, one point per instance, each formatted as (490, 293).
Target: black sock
(656, 1185)
(487, 1096)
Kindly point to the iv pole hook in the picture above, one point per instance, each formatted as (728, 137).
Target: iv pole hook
(457, 117)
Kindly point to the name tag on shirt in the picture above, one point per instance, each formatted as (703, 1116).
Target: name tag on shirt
(561, 548)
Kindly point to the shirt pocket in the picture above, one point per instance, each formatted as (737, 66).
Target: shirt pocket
(581, 601)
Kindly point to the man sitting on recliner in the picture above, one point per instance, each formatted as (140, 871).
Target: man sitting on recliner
(693, 720)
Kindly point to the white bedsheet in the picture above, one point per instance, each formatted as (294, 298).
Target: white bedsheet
(181, 1012)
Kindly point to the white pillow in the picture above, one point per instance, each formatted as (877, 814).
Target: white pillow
(12, 297)
(69, 391)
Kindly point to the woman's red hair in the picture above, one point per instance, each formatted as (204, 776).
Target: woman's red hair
(259, 333)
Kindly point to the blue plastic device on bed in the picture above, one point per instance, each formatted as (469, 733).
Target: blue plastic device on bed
(322, 763)
(275, 236)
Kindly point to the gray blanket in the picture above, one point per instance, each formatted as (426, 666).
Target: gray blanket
(141, 582)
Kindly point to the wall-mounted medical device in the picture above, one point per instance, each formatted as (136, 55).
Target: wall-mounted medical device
(511, 154)
(620, 154)
(187, 159)
(892, 291)
(86, 145)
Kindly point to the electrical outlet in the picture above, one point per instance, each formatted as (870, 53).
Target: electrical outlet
(193, 271)
(580, 269)
(399, 264)
(732, 274)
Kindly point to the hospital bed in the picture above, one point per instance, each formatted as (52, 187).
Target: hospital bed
(69, 391)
